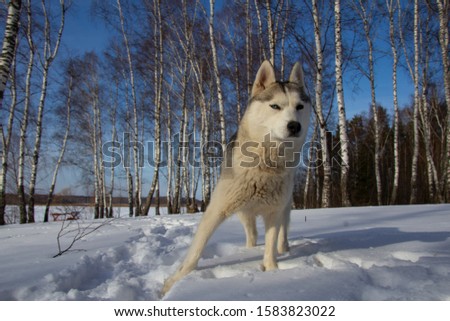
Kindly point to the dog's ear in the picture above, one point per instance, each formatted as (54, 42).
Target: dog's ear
(297, 75)
(264, 77)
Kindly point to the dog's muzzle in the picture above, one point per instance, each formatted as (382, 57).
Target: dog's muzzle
(294, 128)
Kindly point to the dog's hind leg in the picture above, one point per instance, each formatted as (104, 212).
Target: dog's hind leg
(248, 220)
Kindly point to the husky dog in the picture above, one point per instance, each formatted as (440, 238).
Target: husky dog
(257, 175)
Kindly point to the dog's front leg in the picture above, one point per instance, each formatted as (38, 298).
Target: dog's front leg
(283, 244)
(248, 220)
(272, 221)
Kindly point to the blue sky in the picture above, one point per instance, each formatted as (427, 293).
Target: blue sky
(85, 33)
(358, 100)
(82, 31)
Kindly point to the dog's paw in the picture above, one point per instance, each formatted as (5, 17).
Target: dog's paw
(283, 248)
(268, 267)
(250, 245)
(167, 286)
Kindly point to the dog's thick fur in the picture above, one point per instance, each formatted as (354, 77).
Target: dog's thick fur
(258, 174)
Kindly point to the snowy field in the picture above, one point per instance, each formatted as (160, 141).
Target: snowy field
(365, 253)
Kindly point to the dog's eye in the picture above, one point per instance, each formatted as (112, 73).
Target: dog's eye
(299, 107)
(275, 106)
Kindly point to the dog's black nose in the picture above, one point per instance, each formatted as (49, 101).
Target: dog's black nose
(294, 127)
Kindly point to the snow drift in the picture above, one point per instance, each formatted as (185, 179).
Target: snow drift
(366, 253)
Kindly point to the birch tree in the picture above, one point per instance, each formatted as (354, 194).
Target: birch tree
(205, 130)
(204, 139)
(169, 193)
(137, 180)
(310, 167)
(326, 187)
(24, 121)
(158, 77)
(271, 33)
(366, 16)
(415, 156)
(262, 51)
(444, 7)
(434, 192)
(127, 167)
(48, 56)
(341, 106)
(217, 74)
(110, 212)
(96, 134)
(62, 151)
(236, 68)
(181, 160)
(391, 5)
(87, 97)
(283, 41)
(9, 43)
(424, 112)
(6, 139)
(248, 47)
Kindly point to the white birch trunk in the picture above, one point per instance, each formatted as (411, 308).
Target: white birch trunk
(170, 164)
(49, 56)
(24, 123)
(158, 77)
(283, 41)
(307, 189)
(326, 188)
(192, 205)
(181, 141)
(262, 51)
(9, 43)
(94, 135)
(206, 169)
(237, 77)
(6, 141)
(271, 33)
(377, 152)
(433, 180)
(392, 37)
(204, 139)
(248, 49)
(217, 74)
(204, 111)
(443, 6)
(341, 107)
(136, 155)
(415, 157)
(114, 139)
(176, 204)
(185, 151)
(434, 186)
(101, 166)
(61, 153)
(37, 145)
(158, 107)
(127, 151)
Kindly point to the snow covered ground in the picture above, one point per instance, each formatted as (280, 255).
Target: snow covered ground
(365, 253)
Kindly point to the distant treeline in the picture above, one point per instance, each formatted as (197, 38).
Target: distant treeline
(78, 200)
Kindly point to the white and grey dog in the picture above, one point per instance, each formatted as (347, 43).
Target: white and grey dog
(257, 175)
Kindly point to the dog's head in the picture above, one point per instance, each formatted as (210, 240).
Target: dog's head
(280, 108)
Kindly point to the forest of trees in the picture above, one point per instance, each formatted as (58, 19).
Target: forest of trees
(145, 117)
